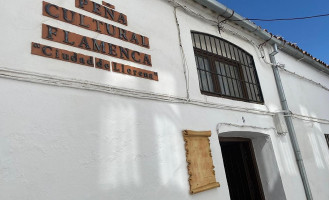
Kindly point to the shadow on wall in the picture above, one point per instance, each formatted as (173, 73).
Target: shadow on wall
(63, 143)
(143, 154)
(315, 153)
(316, 140)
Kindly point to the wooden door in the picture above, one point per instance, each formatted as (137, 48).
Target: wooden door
(241, 169)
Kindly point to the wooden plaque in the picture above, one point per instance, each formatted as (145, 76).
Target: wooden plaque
(199, 159)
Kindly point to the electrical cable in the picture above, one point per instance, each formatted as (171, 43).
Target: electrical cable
(186, 68)
(311, 119)
(105, 88)
(280, 66)
(281, 19)
(259, 47)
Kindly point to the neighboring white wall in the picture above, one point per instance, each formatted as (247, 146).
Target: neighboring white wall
(306, 98)
(69, 143)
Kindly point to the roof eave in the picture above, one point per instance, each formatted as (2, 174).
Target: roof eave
(250, 26)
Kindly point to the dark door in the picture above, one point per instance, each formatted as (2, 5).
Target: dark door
(241, 169)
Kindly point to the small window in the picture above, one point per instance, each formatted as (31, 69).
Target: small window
(225, 70)
(327, 139)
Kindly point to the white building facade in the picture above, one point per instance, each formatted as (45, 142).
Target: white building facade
(78, 131)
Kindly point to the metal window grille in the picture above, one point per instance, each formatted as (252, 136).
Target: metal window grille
(225, 70)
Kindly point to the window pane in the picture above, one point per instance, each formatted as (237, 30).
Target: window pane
(245, 75)
(222, 67)
(205, 77)
(221, 84)
(236, 72)
(206, 64)
(251, 74)
(227, 91)
(248, 91)
(229, 81)
(220, 78)
(209, 78)
(228, 70)
(233, 75)
(202, 76)
(236, 89)
(252, 90)
(225, 80)
(210, 83)
(230, 85)
(204, 81)
(235, 86)
(240, 89)
(257, 93)
(200, 63)
(200, 80)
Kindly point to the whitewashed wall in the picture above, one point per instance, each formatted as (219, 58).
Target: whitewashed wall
(69, 143)
(310, 99)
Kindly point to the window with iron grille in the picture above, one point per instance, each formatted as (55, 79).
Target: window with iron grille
(327, 138)
(225, 70)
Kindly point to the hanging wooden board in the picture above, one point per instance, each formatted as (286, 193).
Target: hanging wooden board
(199, 159)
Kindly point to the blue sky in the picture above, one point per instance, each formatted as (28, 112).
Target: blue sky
(311, 35)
